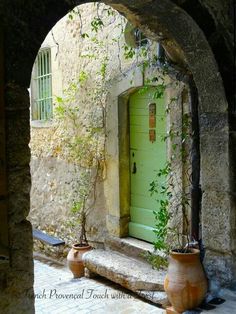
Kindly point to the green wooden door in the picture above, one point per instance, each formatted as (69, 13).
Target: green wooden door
(147, 155)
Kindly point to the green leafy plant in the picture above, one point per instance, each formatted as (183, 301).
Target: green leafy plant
(81, 146)
(162, 186)
(157, 261)
(96, 24)
(84, 147)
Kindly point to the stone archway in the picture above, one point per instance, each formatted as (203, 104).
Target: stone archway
(165, 21)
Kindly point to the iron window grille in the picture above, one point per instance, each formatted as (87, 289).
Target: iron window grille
(41, 91)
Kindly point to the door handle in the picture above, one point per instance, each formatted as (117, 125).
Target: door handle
(134, 170)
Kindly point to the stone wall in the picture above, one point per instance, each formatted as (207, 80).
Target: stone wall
(94, 64)
(20, 272)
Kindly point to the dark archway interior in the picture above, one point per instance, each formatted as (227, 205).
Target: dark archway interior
(199, 37)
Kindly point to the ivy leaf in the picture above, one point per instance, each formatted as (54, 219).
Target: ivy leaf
(84, 35)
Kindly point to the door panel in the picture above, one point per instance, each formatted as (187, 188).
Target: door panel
(147, 156)
(142, 214)
(139, 124)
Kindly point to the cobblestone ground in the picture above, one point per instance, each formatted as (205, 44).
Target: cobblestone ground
(57, 293)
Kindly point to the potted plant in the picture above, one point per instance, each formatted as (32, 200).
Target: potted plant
(81, 146)
(185, 282)
(75, 255)
(81, 208)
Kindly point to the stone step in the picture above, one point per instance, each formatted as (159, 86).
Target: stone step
(129, 272)
(129, 246)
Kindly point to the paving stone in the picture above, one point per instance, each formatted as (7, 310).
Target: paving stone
(46, 277)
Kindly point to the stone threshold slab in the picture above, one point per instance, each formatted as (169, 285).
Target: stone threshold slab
(130, 273)
(130, 246)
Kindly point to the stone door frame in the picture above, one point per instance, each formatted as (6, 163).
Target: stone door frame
(117, 185)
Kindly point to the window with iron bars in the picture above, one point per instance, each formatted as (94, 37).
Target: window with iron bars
(41, 86)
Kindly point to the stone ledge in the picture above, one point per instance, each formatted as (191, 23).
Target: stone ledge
(129, 246)
(130, 273)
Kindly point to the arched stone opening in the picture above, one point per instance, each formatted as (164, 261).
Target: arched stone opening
(165, 21)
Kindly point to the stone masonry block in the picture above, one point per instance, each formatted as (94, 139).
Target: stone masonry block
(117, 226)
(213, 122)
(215, 162)
(219, 268)
(19, 287)
(19, 194)
(216, 221)
(17, 97)
(18, 153)
(21, 247)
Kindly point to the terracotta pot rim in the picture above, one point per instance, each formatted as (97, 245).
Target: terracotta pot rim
(77, 246)
(192, 252)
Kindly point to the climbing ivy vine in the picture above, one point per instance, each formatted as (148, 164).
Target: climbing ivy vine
(84, 138)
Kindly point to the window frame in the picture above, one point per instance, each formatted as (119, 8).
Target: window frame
(41, 87)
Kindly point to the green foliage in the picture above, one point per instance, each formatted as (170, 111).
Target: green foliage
(157, 261)
(166, 193)
(96, 24)
(73, 13)
(83, 76)
(161, 215)
(85, 35)
(103, 69)
(129, 52)
(76, 207)
(159, 91)
(109, 11)
(83, 146)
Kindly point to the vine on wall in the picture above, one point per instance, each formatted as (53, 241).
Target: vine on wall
(83, 136)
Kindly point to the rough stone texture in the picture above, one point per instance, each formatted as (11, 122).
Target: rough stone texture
(219, 268)
(19, 281)
(18, 202)
(129, 246)
(54, 187)
(215, 162)
(20, 273)
(134, 275)
(55, 182)
(216, 220)
(213, 122)
(50, 168)
(117, 267)
(117, 226)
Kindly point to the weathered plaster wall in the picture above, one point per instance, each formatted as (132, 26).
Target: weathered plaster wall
(55, 178)
(55, 175)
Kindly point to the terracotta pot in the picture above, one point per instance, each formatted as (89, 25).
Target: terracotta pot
(185, 282)
(74, 259)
